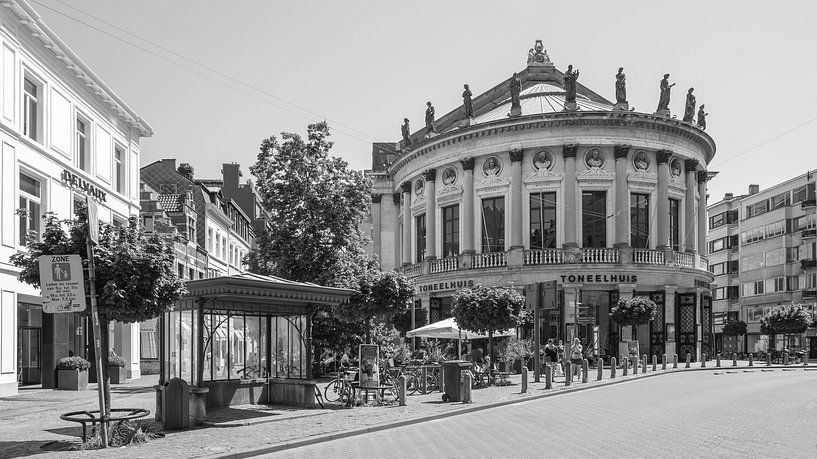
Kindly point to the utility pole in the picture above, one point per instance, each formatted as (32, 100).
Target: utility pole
(90, 239)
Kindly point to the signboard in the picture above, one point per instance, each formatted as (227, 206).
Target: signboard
(632, 348)
(369, 368)
(93, 221)
(62, 283)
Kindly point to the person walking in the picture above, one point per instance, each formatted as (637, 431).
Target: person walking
(576, 357)
(551, 354)
(560, 358)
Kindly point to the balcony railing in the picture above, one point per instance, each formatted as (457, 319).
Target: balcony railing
(648, 257)
(703, 262)
(599, 255)
(443, 265)
(809, 263)
(413, 270)
(684, 259)
(807, 233)
(806, 203)
(544, 257)
(489, 260)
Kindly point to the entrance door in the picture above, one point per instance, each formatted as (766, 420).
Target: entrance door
(28, 356)
(686, 326)
(706, 326)
(812, 348)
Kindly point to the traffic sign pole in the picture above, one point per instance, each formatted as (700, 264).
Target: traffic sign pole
(100, 380)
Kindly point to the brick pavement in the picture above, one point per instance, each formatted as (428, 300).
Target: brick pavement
(237, 431)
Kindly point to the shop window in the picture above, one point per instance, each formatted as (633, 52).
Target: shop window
(419, 238)
(30, 207)
(542, 221)
(674, 238)
(493, 225)
(451, 231)
(594, 218)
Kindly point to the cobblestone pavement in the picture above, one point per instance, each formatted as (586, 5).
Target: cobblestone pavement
(30, 424)
(703, 414)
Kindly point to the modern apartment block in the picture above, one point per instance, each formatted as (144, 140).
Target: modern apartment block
(762, 253)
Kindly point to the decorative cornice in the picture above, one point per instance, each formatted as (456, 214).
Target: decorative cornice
(690, 165)
(430, 175)
(627, 120)
(395, 198)
(517, 155)
(570, 150)
(467, 164)
(662, 156)
(405, 187)
(702, 176)
(376, 198)
(621, 151)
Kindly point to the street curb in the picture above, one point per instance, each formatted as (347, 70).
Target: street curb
(321, 438)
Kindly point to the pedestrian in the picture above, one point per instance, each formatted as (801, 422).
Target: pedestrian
(575, 357)
(560, 358)
(551, 354)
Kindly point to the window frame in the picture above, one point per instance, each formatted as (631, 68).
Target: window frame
(82, 148)
(540, 205)
(493, 238)
(30, 220)
(597, 226)
(120, 169)
(451, 230)
(419, 237)
(39, 101)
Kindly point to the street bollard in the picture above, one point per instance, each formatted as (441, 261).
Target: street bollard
(423, 379)
(785, 358)
(600, 369)
(718, 361)
(548, 376)
(805, 358)
(654, 362)
(689, 358)
(703, 360)
(401, 381)
(664, 362)
(625, 363)
(524, 379)
(768, 359)
(635, 365)
(644, 363)
(612, 367)
(568, 373)
(734, 359)
(585, 367)
(674, 361)
(751, 360)
(465, 390)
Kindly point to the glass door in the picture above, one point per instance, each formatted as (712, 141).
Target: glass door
(28, 361)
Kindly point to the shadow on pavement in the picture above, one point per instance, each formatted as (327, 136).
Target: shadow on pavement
(33, 448)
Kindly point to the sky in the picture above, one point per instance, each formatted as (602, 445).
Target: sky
(215, 78)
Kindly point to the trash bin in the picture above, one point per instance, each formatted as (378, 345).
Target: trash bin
(452, 379)
(176, 404)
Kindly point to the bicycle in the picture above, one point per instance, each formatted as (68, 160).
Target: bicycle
(340, 388)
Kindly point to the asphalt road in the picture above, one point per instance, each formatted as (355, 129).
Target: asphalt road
(734, 413)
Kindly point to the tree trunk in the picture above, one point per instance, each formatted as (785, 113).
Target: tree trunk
(104, 325)
(369, 330)
(490, 354)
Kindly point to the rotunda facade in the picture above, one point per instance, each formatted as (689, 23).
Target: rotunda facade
(546, 181)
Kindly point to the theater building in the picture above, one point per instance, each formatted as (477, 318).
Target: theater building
(64, 135)
(608, 202)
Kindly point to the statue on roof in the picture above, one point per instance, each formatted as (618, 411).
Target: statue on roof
(538, 55)
(689, 108)
(466, 102)
(429, 117)
(515, 86)
(663, 100)
(621, 86)
(406, 133)
(570, 87)
(702, 117)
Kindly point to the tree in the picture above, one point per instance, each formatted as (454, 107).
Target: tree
(785, 319)
(315, 204)
(735, 328)
(135, 275)
(402, 322)
(488, 310)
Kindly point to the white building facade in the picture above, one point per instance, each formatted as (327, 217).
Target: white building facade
(63, 134)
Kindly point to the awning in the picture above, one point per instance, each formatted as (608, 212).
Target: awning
(448, 328)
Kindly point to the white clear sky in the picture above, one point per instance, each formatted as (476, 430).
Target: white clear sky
(366, 65)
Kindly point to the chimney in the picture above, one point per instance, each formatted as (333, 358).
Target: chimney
(231, 174)
(728, 196)
(754, 189)
(186, 170)
(169, 163)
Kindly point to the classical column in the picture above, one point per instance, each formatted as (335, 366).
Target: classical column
(396, 242)
(571, 208)
(690, 242)
(431, 214)
(376, 227)
(405, 187)
(467, 233)
(702, 248)
(662, 219)
(516, 198)
(622, 238)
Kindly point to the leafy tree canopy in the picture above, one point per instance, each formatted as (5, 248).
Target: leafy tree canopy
(636, 311)
(736, 328)
(488, 309)
(135, 275)
(381, 294)
(786, 318)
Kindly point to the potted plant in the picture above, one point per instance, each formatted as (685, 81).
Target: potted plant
(633, 312)
(72, 373)
(116, 369)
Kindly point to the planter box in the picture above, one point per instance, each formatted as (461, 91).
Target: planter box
(72, 379)
(117, 375)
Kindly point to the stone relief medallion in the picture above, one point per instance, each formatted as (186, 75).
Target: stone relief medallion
(594, 158)
(419, 187)
(543, 160)
(641, 162)
(492, 166)
(675, 168)
(449, 176)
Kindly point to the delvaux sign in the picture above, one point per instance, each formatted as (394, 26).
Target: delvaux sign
(79, 183)
(62, 283)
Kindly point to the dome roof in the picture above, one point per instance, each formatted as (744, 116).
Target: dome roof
(541, 98)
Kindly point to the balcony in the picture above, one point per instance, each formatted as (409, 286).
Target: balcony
(809, 263)
(490, 260)
(808, 233)
(648, 257)
(807, 203)
(810, 293)
(443, 265)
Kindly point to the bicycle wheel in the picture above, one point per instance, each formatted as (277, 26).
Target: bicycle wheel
(347, 395)
(412, 385)
(332, 392)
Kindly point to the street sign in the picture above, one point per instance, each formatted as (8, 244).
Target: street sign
(62, 283)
